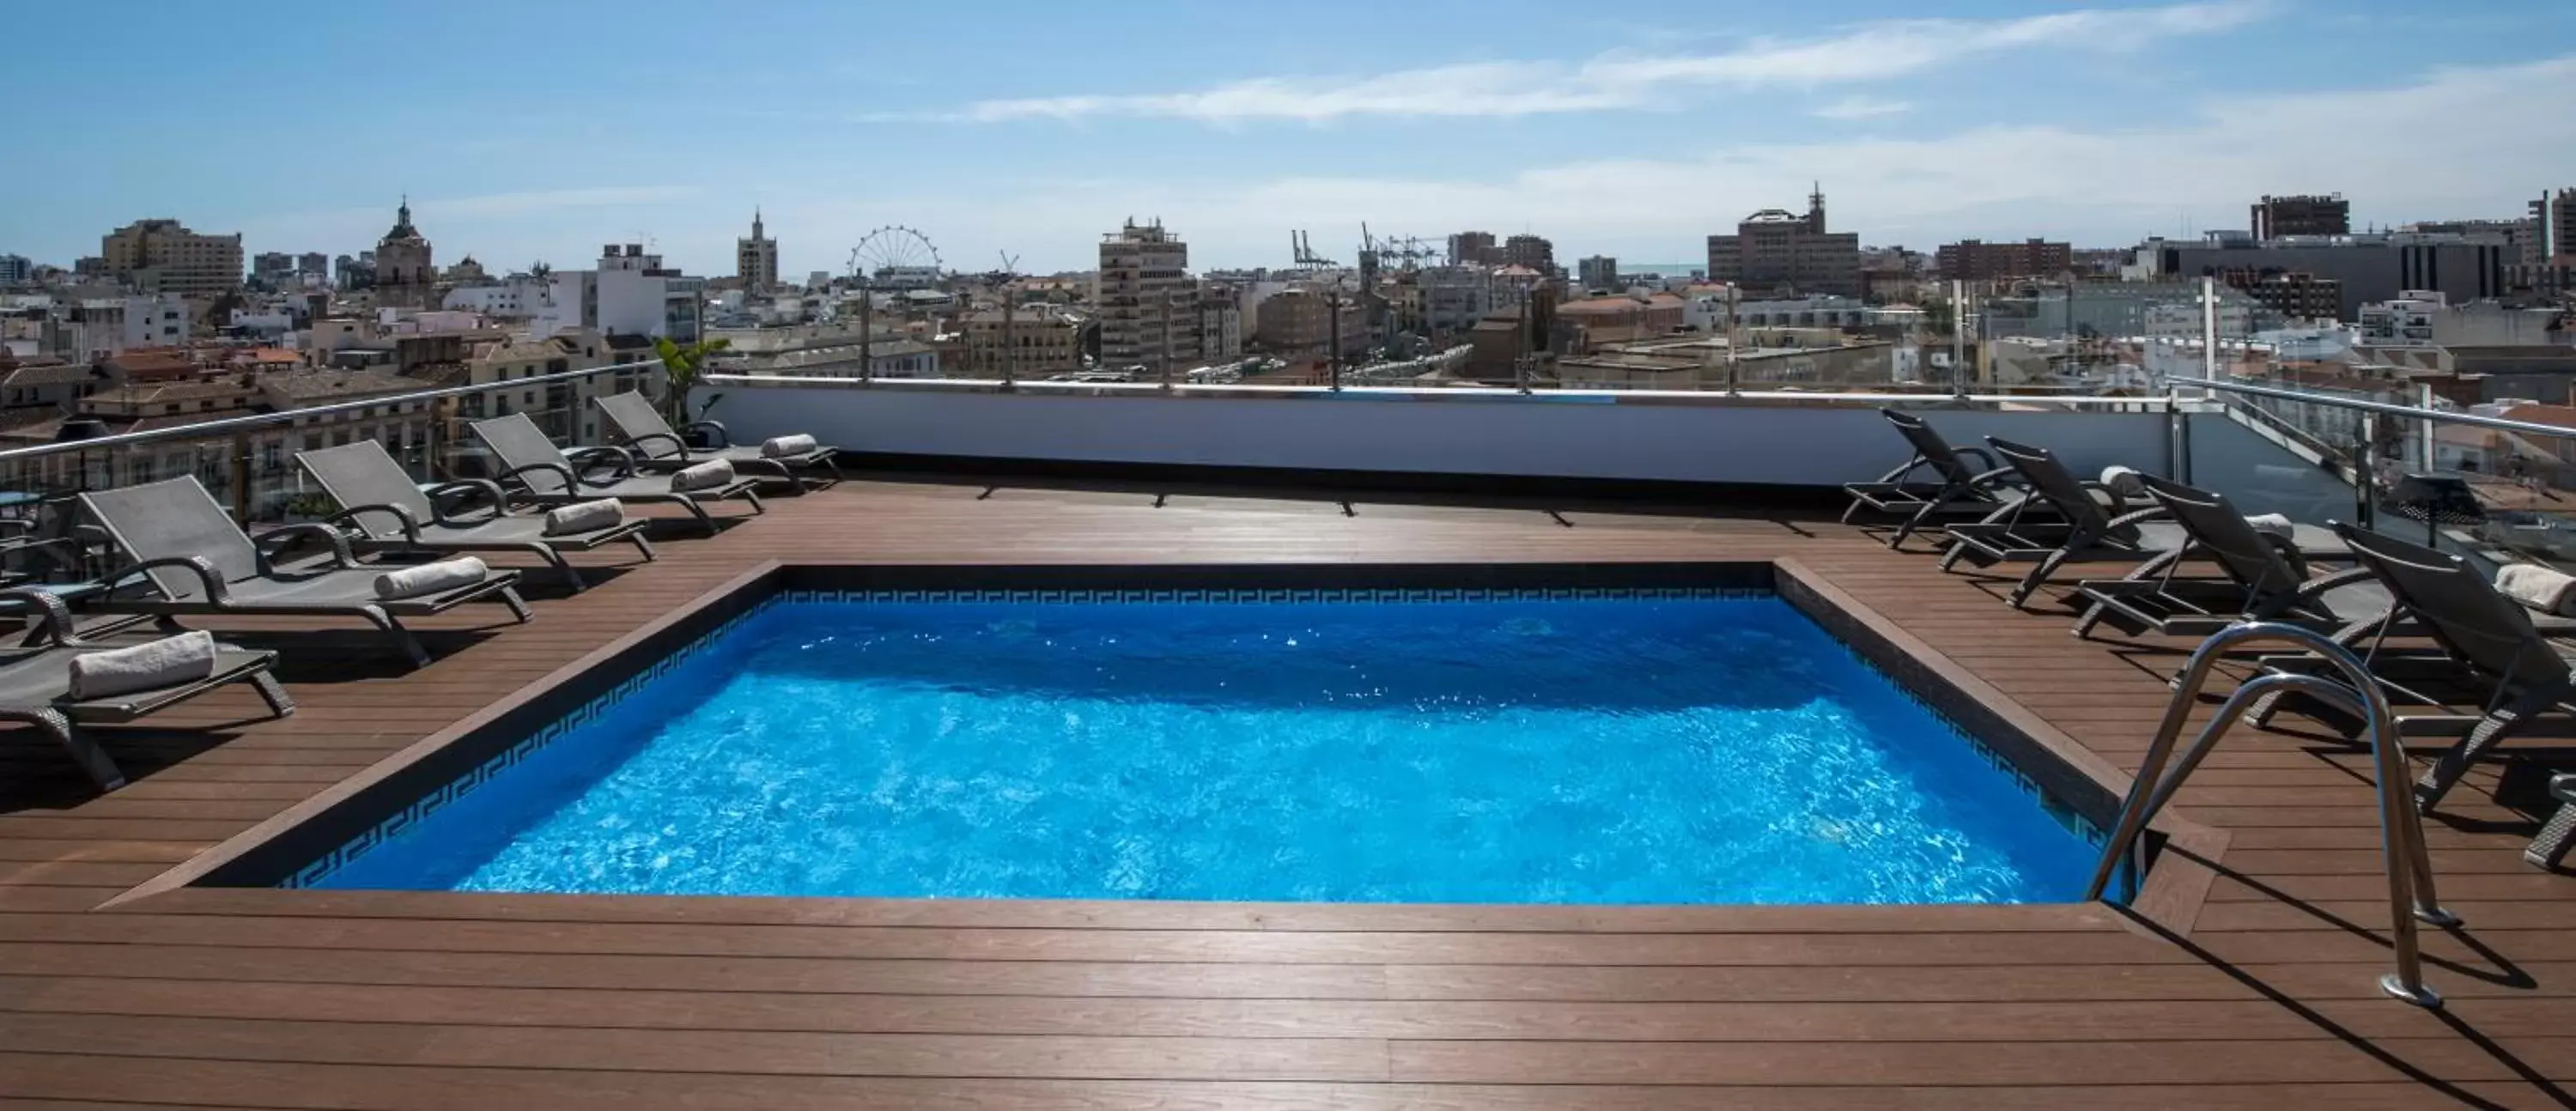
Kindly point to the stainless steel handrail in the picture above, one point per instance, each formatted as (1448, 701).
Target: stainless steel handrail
(2401, 832)
(1460, 392)
(2386, 407)
(226, 425)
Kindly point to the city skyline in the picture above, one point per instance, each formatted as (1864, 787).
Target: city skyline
(991, 136)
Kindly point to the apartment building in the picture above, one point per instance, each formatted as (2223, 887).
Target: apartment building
(16, 270)
(1031, 341)
(1531, 251)
(1474, 248)
(1775, 249)
(2311, 214)
(1145, 298)
(1300, 323)
(562, 408)
(1597, 272)
(2293, 294)
(1972, 260)
(163, 256)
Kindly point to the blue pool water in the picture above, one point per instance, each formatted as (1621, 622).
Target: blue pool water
(1639, 750)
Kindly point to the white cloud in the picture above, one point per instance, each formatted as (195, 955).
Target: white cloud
(2099, 187)
(1861, 108)
(1865, 53)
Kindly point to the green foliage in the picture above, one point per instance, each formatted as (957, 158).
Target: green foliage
(682, 366)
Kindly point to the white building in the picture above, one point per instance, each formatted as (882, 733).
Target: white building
(630, 294)
(2182, 320)
(97, 327)
(517, 297)
(1145, 297)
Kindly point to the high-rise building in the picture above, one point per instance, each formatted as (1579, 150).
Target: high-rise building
(16, 269)
(272, 266)
(755, 258)
(1597, 272)
(1531, 251)
(2311, 214)
(2296, 295)
(314, 266)
(1971, 260)
(1775, 249)
(2553, 233)
(1146, 299)
(405, 276)
(1473, 247)
(163, 256)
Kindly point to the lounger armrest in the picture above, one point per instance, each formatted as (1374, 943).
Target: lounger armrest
(402, 517)
(572, 478)
(54, 619)
(583, 458)
(721, 438)
(1985, 459)
(207, 578)
(2126, 519)
(679, 447)
(2119, 504)
(2311, 590)
(265, 544)
(489, 489)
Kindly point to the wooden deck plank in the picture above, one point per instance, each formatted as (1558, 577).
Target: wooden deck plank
(381, 999)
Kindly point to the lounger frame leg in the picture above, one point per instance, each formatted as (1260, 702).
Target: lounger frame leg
(410, 644)
(92, 759)
(2549, 847)
(753, 496)
(518, 606)
(555, 558)
(280, 703)
(642, 545)
(2491, 730)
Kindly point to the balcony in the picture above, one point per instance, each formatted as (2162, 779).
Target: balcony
(2248, 977)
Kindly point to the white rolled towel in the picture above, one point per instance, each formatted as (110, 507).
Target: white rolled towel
(705, 476)
(167, 662)
(589, 516)
(431, 578)
(2273, 524)
(2542, 588)
(2124, 481)
(779, 447)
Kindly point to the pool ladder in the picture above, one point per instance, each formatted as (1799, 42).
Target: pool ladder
(2401, 832)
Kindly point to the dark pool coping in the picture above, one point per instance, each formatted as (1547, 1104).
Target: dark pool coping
(2171, 894)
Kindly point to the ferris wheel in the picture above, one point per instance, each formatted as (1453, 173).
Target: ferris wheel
(896, 256)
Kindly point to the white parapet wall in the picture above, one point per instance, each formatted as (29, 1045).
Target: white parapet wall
(1607, 435)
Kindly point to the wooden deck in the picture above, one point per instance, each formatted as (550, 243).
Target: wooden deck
(321, 999)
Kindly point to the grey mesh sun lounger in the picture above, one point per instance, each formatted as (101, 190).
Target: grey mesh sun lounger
(2549, 846)
(35, 687)
(1952, 492)
(549, 475)
(657, 448)
(392, 513)
(2079, 530)
(191, 559)
(2260, 578)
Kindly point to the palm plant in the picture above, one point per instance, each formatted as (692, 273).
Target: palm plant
(682, 366)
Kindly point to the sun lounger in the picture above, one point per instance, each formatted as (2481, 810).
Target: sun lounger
(1950, 490)
(389, 512)
(549, 475)
(36, 688)
(191, 559)
(657, 448)
(2261, 577)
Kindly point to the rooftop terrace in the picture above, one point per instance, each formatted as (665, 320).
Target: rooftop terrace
(2252, 984)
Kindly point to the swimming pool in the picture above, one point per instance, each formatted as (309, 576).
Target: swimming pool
(1631, 747)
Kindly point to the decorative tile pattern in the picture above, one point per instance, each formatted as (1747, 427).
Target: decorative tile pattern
(1297, 597)
(493, 768)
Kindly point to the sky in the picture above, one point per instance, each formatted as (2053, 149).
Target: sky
(537, 131)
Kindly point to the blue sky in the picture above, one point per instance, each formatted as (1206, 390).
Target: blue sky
(539, 130)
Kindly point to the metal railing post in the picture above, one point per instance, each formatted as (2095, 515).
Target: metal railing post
(2409, 867)
(2365, 486)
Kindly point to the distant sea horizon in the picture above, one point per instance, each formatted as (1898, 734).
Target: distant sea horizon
(1667, 269)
